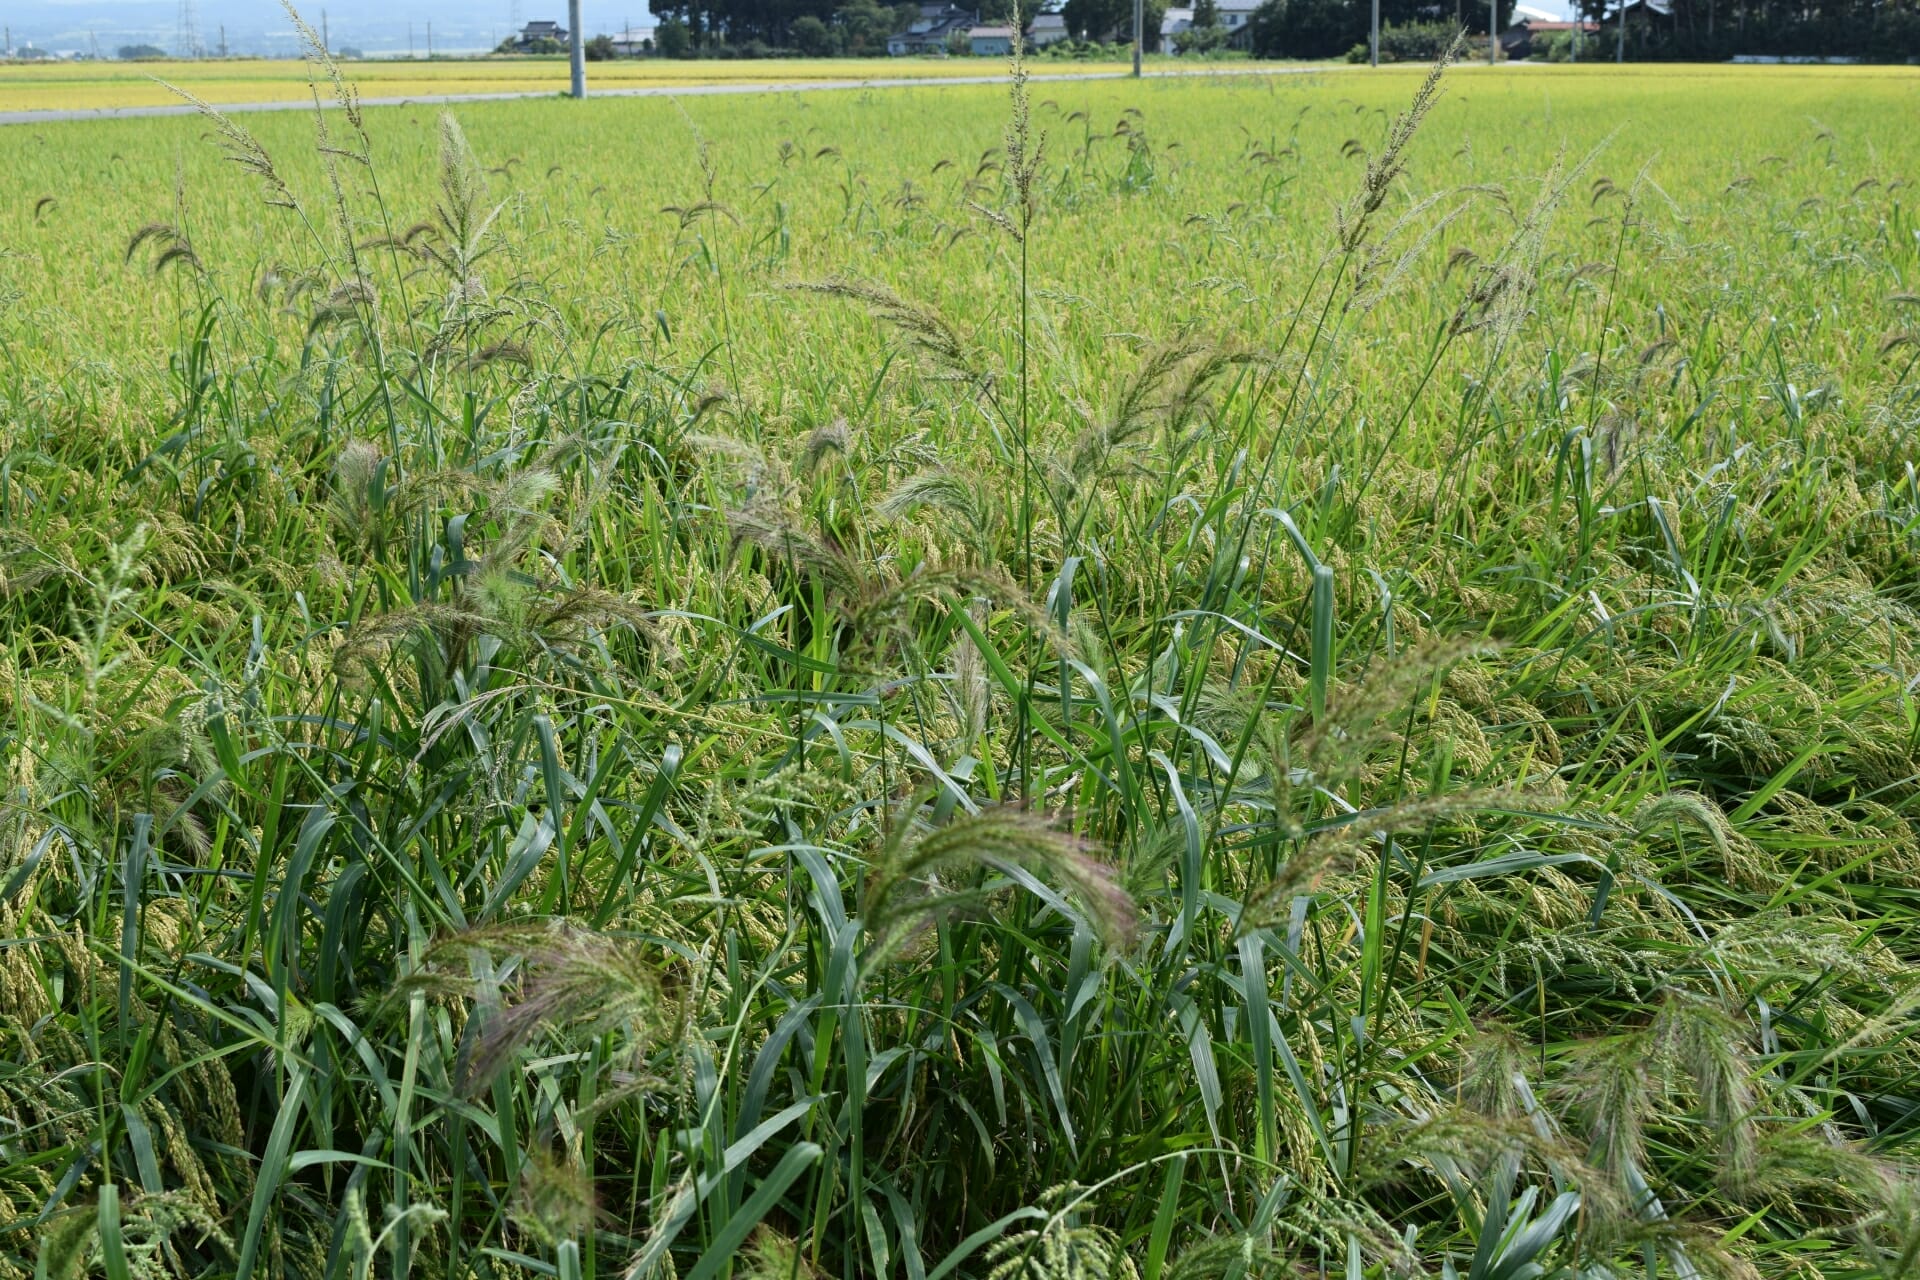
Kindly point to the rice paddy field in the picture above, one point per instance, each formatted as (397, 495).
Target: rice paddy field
(85, 86)
(1311, 676)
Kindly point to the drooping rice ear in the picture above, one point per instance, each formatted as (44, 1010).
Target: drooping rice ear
(904, 887)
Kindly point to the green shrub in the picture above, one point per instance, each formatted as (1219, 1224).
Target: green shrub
(672, 39)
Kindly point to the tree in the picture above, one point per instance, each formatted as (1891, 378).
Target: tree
(1201, 40)
(1329, 28)
(1110, 20)
(1155, 13)
(599, 49)
(864, 26)
(811, 36)
(1873, 30)
(1206, 34)
(1307, 28)
(1085, 19)
(140, 52)
(673, 40)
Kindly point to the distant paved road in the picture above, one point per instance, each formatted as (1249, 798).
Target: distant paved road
(644, 91)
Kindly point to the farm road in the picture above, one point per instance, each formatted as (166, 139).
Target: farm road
(647, 91)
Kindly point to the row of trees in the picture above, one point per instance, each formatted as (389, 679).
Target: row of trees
(822, 28)
(855, 29)
(1109, 19)
(819, 27)
(1329, 28)
(1694, 30)
(1112, 20)
(1709, 30)
(861, 27)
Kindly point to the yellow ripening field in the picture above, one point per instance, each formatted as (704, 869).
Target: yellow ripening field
(81, 86)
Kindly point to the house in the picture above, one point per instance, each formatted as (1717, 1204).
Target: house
(1174, 23)
(990, 42)
(932, 30)
(1046, 29)
(633, 42)
(1517, 41)
(540, 36)
(1236, 17)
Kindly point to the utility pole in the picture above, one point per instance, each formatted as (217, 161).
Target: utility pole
(429, 42)
(1139, 34)
(326, 40)
(1373, 37)
(9, 42)
(576, 54)
(577, 49)
(1620, 53)
(223, 40)
(1493, 32)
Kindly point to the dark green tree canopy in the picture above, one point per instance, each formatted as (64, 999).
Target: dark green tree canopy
(1686, 30)
(1111, 19)
(1328, 28)
(672, 39)
(814, 27)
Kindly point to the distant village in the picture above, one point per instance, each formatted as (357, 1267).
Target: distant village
(943, 29)
(947, 28)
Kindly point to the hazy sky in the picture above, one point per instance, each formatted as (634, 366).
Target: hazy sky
(260, 26)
